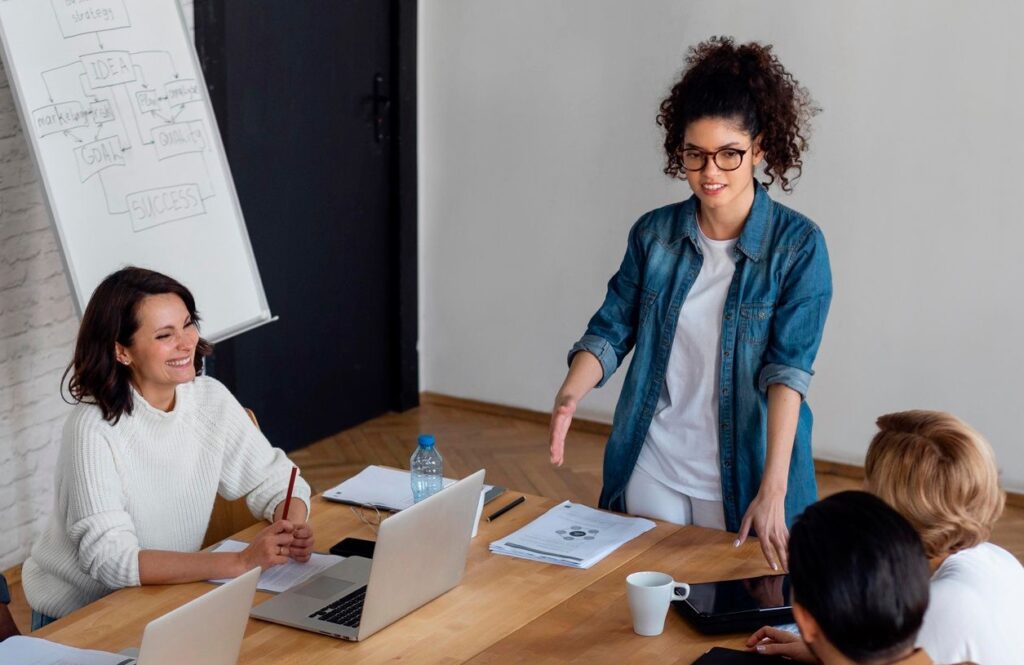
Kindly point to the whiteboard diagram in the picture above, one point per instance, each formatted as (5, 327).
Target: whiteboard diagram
(113, 104)
(114, 109)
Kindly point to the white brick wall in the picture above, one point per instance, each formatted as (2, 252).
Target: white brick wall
(37, 334)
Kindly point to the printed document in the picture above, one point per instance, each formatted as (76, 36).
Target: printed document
(571, 534)
(386, 489)
(283, 577)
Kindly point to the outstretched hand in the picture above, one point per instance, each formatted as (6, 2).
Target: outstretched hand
(561, 419)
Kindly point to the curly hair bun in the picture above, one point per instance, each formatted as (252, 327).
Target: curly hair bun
(746, 83)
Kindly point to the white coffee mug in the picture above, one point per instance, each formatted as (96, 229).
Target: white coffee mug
(649, 596)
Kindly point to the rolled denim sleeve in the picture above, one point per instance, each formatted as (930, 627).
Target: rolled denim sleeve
(800, 314)
(611, 332)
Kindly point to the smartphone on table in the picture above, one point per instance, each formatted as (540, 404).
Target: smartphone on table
(354, 547)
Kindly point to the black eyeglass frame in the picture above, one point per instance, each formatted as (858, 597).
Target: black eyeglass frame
(714, 157)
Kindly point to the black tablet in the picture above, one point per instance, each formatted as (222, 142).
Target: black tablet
(738, 605)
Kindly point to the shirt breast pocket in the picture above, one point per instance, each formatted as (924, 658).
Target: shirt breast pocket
(755, 323)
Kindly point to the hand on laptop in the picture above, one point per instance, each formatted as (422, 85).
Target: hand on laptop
(271, 547)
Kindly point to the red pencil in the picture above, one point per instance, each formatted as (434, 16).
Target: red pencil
(288, 499)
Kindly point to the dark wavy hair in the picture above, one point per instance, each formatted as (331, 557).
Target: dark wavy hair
(746, 83)
(858, 567)
(95, 375)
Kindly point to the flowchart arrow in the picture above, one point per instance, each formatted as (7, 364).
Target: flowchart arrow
(170, 59)
(142, 76)
(82, 79)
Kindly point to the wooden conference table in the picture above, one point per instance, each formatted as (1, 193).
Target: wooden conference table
(505, 610)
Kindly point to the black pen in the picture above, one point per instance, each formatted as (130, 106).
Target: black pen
(504, 509)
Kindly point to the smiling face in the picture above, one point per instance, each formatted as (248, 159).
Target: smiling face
(162, 350)
(718, 190)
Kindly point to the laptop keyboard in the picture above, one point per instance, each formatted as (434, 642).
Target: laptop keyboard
(344, 612)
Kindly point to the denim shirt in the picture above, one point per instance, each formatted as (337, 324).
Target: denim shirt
(772, 325)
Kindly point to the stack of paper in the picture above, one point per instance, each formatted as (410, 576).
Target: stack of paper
(572, 535)
(386, 489)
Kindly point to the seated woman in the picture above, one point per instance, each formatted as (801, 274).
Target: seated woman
(941, 475)
(146, 450)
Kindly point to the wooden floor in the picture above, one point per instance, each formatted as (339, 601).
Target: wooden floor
(512, 449)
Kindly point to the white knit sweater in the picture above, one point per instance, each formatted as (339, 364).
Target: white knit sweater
(147, 483)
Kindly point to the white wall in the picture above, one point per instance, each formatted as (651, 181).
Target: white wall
(538, 149)
(37, 336)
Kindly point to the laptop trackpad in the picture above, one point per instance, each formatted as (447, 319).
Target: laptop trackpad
(324, 587)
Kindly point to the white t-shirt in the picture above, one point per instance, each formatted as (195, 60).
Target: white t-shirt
(681, 449)
(975, 612)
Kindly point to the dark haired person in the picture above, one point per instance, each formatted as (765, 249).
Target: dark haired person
(145, 451)
(7, 626)
(724, 297)
(860, 584)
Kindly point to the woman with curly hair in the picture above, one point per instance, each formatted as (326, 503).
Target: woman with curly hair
(724, 297)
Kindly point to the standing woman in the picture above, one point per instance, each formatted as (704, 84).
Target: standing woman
(724, 296)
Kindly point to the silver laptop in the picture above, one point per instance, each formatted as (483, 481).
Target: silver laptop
(206, 630)
(420, 554)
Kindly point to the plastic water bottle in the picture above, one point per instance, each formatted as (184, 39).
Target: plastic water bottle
(426, 469)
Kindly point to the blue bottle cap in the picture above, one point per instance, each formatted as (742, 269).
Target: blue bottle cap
(426, 441)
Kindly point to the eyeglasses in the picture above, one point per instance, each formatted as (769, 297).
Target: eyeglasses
(364, 515)
(726, 159)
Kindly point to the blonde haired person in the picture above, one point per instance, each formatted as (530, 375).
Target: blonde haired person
(941, 474)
